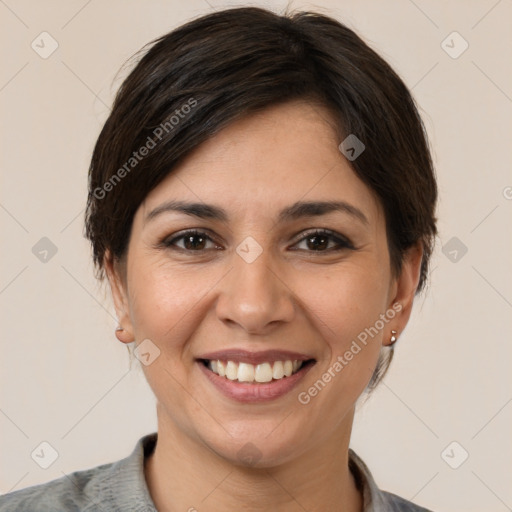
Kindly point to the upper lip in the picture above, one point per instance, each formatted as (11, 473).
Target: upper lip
(245, 356)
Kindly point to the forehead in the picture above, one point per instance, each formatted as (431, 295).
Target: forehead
(266, 161)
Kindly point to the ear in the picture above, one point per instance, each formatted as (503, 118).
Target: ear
(404, 290)
(116, 275)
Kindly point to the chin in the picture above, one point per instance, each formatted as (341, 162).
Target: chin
(255, 448)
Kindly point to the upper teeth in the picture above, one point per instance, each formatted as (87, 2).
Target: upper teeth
(245, 372)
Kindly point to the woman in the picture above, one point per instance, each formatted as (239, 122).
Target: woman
(262, 203)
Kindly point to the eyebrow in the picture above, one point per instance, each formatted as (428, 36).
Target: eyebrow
(296, 211)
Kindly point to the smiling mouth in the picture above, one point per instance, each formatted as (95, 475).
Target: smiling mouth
(259, 373)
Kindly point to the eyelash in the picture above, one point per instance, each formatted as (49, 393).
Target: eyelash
(342, 242)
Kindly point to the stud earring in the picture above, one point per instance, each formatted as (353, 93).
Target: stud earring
(393, 338)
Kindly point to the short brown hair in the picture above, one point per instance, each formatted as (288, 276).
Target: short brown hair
(238, 61)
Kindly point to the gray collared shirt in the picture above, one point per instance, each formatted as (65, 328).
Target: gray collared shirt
(121, 486)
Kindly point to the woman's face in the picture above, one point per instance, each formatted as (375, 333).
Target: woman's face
(256, 277)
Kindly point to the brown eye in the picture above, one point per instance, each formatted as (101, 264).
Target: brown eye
(323, 241)
(193, 241)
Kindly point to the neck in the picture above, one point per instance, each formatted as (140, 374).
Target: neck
(184, 475)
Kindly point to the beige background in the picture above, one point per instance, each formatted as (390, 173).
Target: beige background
(64, 376)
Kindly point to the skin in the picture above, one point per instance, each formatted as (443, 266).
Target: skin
(190, 302)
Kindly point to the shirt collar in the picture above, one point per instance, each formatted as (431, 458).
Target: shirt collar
(373, 499)
(125, 487)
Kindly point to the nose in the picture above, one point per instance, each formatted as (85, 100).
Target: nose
(255, 296)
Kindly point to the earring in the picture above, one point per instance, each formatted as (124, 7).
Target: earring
(393, 338)
(119, 328)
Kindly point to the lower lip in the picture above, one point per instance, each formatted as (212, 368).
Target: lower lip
(257, 392)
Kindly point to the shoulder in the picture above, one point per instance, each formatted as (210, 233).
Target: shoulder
(397, 504)
(114, 486)
(78, 491)
(375, 499)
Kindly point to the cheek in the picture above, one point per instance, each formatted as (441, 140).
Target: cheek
(345, 307)
(165, 302)
(166, 306)
(345, 301)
